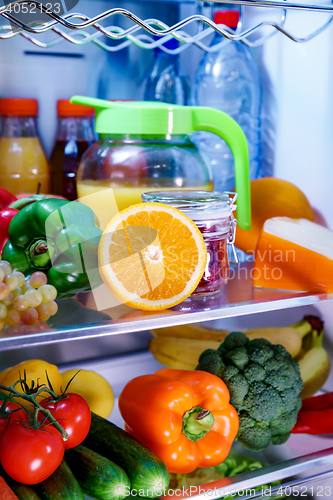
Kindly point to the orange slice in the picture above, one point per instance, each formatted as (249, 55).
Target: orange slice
(151, 256)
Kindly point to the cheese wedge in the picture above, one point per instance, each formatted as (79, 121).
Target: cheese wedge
(294, 254)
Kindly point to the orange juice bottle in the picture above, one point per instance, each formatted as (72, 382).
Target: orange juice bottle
(23, 163)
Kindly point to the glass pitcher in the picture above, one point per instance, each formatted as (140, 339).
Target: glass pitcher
(147, 146)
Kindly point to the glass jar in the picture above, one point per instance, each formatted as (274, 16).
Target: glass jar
(212, 212)
(23, 164)
(75, 134)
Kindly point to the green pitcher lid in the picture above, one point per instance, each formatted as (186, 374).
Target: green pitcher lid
(138, 117)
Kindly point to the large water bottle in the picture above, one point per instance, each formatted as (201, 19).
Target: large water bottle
(114, 82)
(166, 80)
(229, 80)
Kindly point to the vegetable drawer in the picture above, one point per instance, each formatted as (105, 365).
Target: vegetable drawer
(304, 464)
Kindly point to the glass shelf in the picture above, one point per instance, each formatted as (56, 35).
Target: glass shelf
(73, 321)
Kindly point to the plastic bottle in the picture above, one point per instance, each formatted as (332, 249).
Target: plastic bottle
(74, 135)
(116, 80)
(229, 80)
(23, 164)
(166, 80)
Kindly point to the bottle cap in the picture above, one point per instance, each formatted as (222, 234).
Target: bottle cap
(18, 107)
(66, 108)
(229, 18)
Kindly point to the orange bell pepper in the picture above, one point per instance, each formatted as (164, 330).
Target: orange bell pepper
(183, 416)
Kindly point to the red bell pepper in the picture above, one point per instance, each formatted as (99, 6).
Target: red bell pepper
(314, 422)
(6, 216)
(322, 402)
(6, 198)
(315, 416)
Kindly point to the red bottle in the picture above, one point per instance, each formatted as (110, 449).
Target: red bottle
(75, 133)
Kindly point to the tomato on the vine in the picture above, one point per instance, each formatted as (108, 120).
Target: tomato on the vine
(18, 415)
(31, 455)
(73, 414)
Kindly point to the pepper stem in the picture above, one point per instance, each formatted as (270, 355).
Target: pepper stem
(196, 423)
(40, 253)
(40, 248)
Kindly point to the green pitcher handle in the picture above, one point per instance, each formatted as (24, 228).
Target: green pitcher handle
(221, 124)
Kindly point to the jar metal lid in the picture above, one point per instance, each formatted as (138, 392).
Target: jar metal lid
(198, 205)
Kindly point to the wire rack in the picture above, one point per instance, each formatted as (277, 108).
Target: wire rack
(73, 27)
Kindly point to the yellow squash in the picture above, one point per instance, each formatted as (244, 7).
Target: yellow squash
(94, 388)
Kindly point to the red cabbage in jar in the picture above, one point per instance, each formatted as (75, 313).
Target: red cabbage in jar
(217, 271)
(212, 212)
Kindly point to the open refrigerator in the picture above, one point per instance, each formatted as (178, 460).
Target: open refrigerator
(98, 40)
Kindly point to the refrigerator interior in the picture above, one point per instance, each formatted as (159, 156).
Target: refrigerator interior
(297, 125)
(297, 102)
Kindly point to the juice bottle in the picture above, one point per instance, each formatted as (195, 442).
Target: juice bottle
(23, 163)
(74, 136)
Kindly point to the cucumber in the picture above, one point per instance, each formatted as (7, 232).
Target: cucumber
(62, 485)
(98, 477)
(147, 472)
(23, 491)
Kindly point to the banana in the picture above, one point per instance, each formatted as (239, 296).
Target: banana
(179, 347)
(315, 367)
(179, 353)
(191, 332)
(291, 337)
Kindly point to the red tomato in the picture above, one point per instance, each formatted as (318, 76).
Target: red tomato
(31, 455)
(5, 422)
(73, 414)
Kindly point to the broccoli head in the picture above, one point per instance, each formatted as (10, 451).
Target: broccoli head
(264, 382)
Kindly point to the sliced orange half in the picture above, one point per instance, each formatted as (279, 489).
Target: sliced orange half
(151, 256)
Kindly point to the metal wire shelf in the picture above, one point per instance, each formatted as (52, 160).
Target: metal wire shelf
(79, 23)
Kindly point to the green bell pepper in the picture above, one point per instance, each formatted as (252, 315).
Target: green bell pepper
(59, 238)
